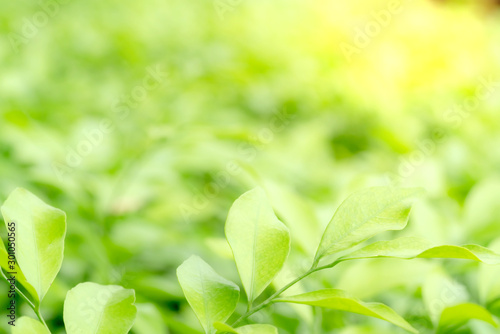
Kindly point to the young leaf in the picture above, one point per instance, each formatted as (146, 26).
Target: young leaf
(40, 232)
(211, 296)
(458, 315)
(363, 215)
(260, 242)
(410, 248)
(249, 329)
(91, 308)
(339, 300)
(27, 325)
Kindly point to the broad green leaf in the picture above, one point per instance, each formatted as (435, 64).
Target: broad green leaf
(260, 242)
(458, 315)
(339, 300)
(212, 297)
(27, 325)
(91, 308)
(365, 214)
(149, 320)
(40, 232)
(20, 279)
(249, 329)
(410, 248)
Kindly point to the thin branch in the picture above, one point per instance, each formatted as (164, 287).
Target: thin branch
(271, 299)
(31, 304)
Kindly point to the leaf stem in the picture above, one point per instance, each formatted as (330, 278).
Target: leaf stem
(271, 299)
(40, 317)
(35, 308)
(31, 304)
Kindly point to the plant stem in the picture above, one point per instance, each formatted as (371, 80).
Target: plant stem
(328, 266)
(31, 304)
(40, 317)
(271, 299)
(36, 309)
(249, 306)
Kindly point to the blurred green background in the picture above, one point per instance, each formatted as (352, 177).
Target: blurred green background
(145, 120)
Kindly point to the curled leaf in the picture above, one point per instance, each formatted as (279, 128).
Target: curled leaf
(365, 214)
(340, 300)
(410, 248)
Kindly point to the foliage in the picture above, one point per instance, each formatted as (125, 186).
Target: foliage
(260, 245)
(36, 238)
(257, 94)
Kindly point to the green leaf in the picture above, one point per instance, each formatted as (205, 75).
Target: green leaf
(410, 248)
(365, 214)
(259, 241)
(458, 315)
(40, 232)
(224, 328)
(91, 308)
(27, 325)
(211, 296)
(249, 329)
(20, 279)
(339, 300)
